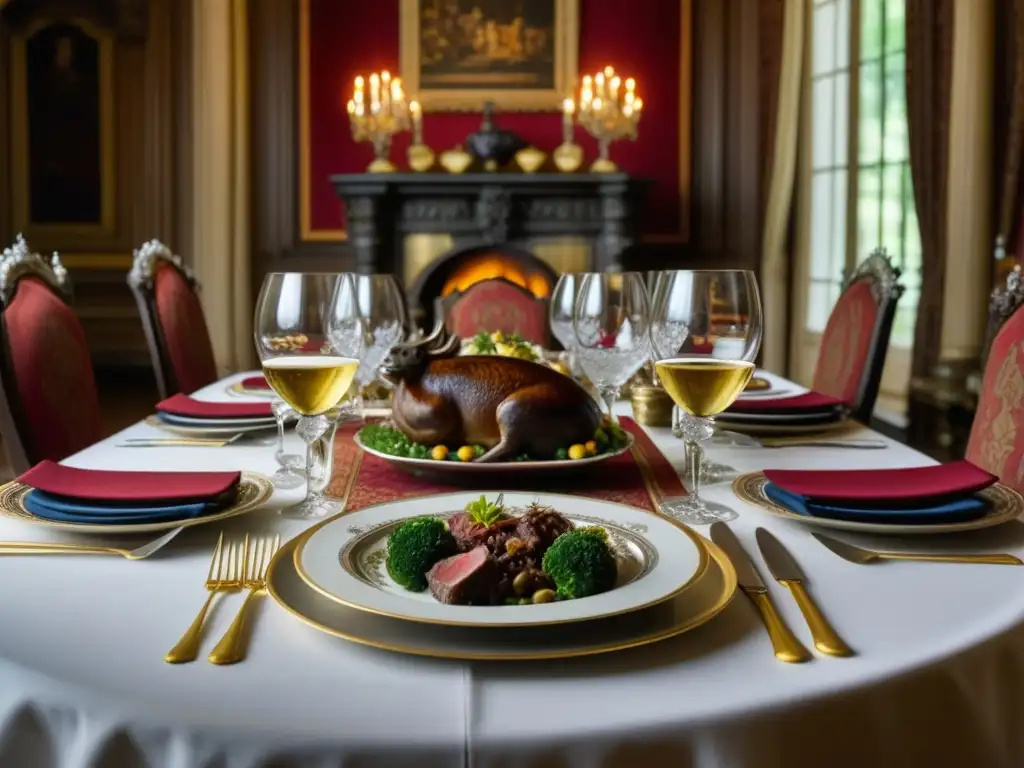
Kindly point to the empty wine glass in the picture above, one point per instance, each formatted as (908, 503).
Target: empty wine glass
(294, 329)
(289, 474)
(560, 312)
(705, 369)
(610, 320)
(382, 308)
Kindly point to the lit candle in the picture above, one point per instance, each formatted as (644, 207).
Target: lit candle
(568, 107)
(374, 93)
(630, 85)
(417, 122)
(385, 91)
(608, 72)
(599, 85)
(614, 95)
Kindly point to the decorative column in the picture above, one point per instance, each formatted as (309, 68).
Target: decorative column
(220, 119)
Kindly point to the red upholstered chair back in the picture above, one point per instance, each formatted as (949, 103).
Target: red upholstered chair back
(997, 435)
(856, 337)
(172, 316)
(49, 407)
(497, 305)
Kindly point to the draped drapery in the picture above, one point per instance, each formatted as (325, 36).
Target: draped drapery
(929, 68)
(775, 258)
(221, 251)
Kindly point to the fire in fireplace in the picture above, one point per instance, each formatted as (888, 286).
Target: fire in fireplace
(455, 272)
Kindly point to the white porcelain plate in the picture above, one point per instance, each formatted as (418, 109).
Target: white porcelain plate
(227, 430)
(192, 421)
(345, 560)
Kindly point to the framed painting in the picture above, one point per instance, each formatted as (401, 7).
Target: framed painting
(456, 54)
(63, 86)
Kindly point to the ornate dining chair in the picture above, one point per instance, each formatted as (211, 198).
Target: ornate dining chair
(49, 406)
(167, 294)
(997, 434)
(856, 337)
(496, 305)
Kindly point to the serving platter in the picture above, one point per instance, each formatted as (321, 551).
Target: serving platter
(344, 560)
(1006, 504)
(254, 490)
(464, 469)
(710, 591)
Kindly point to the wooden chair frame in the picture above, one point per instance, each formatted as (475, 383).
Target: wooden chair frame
(16, 263)
(141, 279)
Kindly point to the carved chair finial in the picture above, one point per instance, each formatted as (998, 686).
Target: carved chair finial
(18, 261)
(147, 258)
(884, 277)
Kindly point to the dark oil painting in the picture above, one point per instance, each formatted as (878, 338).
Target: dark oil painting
(487, 43)
(65, 155)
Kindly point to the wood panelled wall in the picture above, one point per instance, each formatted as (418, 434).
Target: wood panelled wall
(730, 118)
(152, 94)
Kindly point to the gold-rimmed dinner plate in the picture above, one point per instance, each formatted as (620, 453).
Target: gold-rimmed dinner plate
(756, 428)
(218, 429)
(237, 390)
(711, 591)
(1005, 505)
(475, 471)
(254, 490)
(345, 561)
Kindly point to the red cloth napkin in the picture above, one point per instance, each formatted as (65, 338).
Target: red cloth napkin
(110, 485)
(183, 405)
(915, 484)
(255, 382)
(809, 402)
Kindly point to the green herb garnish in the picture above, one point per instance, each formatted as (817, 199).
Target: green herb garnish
(484, 512)
(483, 344)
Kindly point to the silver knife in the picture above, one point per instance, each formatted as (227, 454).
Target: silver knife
(784, 642)
(787, 572)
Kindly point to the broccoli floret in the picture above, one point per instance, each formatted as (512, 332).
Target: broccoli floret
(413, 549)
(581, 564)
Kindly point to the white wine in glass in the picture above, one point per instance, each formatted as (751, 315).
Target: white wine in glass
(310, 385)
(706, 333)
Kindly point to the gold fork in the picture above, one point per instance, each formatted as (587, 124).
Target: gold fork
(227, 568)
(230, 648)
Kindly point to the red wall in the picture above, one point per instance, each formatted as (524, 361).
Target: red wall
(639, 39)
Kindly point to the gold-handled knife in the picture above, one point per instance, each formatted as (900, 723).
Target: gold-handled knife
(787, 572)
(784, 643)
(862, 556)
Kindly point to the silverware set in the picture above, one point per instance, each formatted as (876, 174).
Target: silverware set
(235, 566)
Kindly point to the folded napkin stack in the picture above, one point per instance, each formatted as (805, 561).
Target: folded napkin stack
(182, 410)
(808, 409)
(106, 497)
(945, 493)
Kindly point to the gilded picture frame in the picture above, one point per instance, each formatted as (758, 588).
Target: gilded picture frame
(491, 59)
(22, 172)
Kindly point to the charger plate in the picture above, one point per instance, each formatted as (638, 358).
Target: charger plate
(710, 592)
(344, 560)
(1006, 505)
(253, 491)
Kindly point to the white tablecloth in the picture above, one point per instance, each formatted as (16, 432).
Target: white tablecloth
(938, 679)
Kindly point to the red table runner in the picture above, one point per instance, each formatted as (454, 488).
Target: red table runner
(639, 478)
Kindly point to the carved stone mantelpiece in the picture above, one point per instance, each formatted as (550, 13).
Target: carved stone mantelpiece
(490, 208)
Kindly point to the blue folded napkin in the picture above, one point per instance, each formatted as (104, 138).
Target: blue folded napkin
(961, 510)
(50, 507)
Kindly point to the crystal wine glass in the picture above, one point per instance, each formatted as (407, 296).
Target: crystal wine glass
(293, 329)
(382, 307)
(706, 368)
(289, 474)
(560, 309)
(610, 320)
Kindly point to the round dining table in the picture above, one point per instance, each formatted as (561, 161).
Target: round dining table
(937, 677)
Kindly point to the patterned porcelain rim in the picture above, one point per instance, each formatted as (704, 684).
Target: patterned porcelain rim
(717, 562)
(475, 467)
(632, 596)
(1007, 504)
(253, 491)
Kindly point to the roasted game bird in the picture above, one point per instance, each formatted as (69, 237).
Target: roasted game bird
(508, 405)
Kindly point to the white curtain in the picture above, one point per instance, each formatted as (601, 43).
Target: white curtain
(221, 252)
(775, 260)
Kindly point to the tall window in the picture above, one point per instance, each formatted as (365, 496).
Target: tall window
(859, 193)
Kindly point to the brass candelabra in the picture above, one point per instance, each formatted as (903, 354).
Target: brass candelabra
(609, 110)
(378, 115)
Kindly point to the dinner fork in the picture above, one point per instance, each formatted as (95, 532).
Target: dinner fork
(225, 575)
(44, 548)
(257, 558)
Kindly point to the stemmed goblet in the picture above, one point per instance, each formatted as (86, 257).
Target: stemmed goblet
(721, 309)
(560, 313)
(610, 320)
(289, 474)
(382, 307)
(312, 378)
